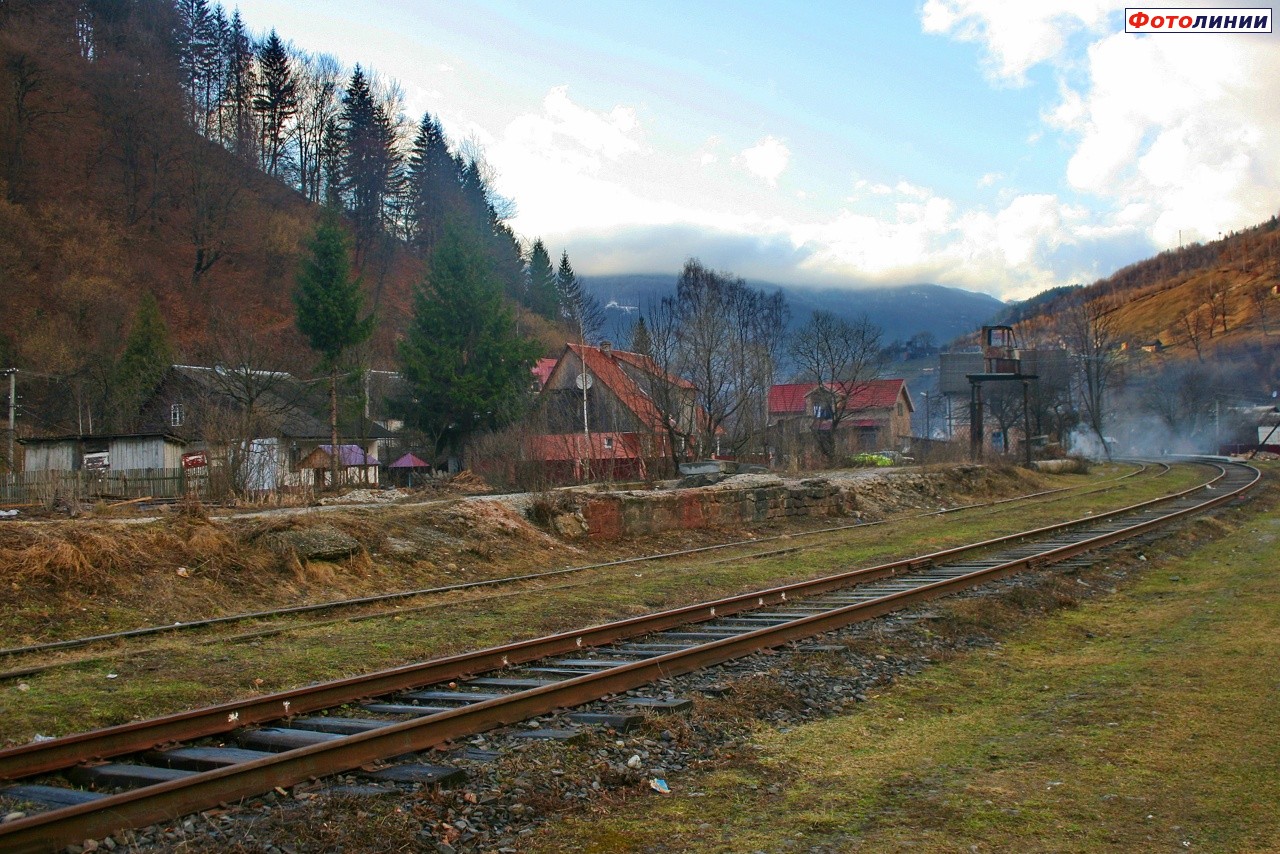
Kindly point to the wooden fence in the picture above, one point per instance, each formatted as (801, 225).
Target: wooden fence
(49, 486)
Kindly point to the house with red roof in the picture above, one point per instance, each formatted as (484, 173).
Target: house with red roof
(611, 414)
(871, 415)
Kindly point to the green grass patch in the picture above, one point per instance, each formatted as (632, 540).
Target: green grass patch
(185, 671)
(1143, 721)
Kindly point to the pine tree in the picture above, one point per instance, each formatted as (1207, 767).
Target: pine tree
(461, 356)
(142, 364)
(328, 304)
(578, 308)
(276, 101)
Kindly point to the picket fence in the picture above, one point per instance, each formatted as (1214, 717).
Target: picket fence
(50, 486)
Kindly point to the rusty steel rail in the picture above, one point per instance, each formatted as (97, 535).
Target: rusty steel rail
(167, 800)
(45, 756)
(319, 607)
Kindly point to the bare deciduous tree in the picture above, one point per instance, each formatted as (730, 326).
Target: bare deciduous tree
(319, 78)
(842, 356)
(1216, 294)
(1090, 329)
(1193, 324)
(1261, 295)
(725, 338)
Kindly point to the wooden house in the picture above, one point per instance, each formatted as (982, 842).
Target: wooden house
(611, 414)
(875, 416)
(259, 426)
(112, 452)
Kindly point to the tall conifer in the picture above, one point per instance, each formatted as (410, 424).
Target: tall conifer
(468, 368)
(328, 304)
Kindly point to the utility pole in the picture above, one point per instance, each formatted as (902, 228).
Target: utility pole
(13, 412)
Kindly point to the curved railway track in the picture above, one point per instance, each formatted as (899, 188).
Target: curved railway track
(181, 763)
(1156, 469)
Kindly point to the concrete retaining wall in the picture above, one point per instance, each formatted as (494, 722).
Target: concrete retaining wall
(748, 499)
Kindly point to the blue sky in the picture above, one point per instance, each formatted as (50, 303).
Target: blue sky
(999, 146)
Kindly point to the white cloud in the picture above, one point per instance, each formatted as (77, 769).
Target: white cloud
(767, 159)
(1015, 35)
(556, 163)
(1172, 134)
(1186, 129)
(990, 179)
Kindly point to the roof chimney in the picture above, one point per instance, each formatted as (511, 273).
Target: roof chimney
(606, 346)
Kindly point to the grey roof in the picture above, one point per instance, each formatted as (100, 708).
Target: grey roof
(298, 409)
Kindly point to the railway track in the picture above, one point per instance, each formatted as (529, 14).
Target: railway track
(1155, 469)
(190, 761)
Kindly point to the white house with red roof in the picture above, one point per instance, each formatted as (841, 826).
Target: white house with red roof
(876, 414)
(611, 414)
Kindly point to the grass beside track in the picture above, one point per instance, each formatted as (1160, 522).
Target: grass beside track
(1146, 720)
(177, 673)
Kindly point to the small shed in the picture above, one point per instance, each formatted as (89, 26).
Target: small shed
(112, 452)
(355, 465)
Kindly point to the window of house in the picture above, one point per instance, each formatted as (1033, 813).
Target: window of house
(899, 408)
(608, 443)
(177, 415)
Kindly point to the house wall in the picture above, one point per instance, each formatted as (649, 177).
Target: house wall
(51, 457)
(145, 452)
(127, 454)
(605, 412)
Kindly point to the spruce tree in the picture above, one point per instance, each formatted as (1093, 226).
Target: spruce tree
(461, 356)
(370, 162)
(641, 340)
(543, 297)
(238, 87)
(579, 309)
(276, 101)
(432, 185)
(328, 304)
(142, 364)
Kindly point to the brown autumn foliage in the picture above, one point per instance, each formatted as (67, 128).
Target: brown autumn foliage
(106, 193)
(1197, 301)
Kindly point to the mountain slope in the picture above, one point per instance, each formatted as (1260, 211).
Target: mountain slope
(1196, 300)
(901, 311)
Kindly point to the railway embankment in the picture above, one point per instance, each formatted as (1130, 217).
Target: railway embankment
(758, 498)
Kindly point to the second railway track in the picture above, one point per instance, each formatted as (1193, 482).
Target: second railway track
(408, 709)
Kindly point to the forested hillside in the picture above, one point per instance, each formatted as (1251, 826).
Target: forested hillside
(154, 147)
(1196, 300)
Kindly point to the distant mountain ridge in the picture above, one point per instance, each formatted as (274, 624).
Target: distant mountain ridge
(901, 311)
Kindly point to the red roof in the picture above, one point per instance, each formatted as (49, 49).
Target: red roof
(606, 366)
(573, 446)
(789, 397)
(542, 370)
(792, 398)
(410, 461)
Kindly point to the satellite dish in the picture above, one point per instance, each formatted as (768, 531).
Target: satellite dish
(583, 381)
